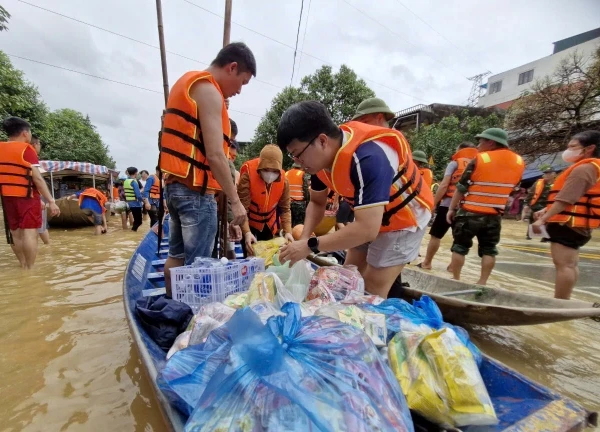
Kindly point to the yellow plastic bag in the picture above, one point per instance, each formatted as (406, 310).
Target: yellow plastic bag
(416, 377)
(266, 249)
(263, 288)
(457, 373)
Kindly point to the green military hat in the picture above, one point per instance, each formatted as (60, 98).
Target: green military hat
(372, 106)
(420, 156)
(495, 134)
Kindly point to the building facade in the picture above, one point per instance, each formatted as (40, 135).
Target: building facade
(505, 87)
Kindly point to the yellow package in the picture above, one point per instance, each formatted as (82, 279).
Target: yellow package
(416, 378)
(263, 287)
(237, 301)
(266, 249)
(457, 372)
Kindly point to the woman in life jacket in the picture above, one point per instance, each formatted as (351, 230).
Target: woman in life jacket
(573, 209)
(265, 193)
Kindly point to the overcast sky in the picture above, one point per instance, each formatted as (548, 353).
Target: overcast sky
(383, 41)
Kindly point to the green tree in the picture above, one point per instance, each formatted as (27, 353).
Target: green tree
(19, 97)
(4, 16)
(439, 140)
(340, 93)
(69, 135)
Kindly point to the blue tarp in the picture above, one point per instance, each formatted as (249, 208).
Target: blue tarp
(554, 159)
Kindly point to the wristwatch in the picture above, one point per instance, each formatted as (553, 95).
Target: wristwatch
(313, 244)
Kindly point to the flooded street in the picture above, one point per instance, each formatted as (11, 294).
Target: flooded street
(67, 362)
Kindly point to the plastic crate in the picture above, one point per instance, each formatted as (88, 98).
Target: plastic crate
(210, 281)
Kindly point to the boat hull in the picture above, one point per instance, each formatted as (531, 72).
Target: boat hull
(491, 306)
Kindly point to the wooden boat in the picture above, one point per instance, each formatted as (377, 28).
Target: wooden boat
(464, 303)
(521, 404)
(71, 216)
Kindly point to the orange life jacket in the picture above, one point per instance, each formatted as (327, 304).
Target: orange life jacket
(407, 185)
(495, 176)
(295, 178)
(263, 198)
(181, 143)
(585, 213)
(115, 193)
(93, 193)
(462, 157)
(16, 179)
(539, 188)
(427, 176)
(155, 189)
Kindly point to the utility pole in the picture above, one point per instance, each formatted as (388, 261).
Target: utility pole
(163, 53)
(227, 23)
(222, 200)
(476, 88)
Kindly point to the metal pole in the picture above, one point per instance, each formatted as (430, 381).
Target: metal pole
(52, 184)
(163, 53)
(227, 24)
(94, 181)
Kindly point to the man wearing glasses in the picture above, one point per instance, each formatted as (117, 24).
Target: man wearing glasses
(370, 166)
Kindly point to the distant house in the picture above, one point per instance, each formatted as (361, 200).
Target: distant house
(419, 115)
(505, 87)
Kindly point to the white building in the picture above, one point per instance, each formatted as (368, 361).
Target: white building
(505, 87)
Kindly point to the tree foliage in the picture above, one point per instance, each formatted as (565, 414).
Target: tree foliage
(4, 16)
(340, 92)
(439, 140)
(69, 135)
(18, 97)
(557, 106)
(66, 134)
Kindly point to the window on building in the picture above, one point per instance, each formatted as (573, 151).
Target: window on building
(526, 77)
(495, 87)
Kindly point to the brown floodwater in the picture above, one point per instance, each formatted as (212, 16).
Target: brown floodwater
(67, 362)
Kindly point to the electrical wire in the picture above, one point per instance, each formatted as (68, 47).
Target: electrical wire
(297, 38)
(400, 36)
(304, 36)
(107, 79)
(441, 35)
(129, 38)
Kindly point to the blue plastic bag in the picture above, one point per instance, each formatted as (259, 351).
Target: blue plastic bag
(294, 374)
(424, 311)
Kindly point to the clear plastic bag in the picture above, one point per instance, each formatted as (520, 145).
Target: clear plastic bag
(312, 374)
(296, 286)
(335, 283)
(181, 342)
(264, 286)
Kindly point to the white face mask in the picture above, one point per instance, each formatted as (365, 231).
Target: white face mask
(571, 155)
(269, 177)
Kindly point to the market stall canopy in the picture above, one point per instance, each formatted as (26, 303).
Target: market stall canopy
(80, 169)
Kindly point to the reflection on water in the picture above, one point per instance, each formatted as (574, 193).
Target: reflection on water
(67, 362)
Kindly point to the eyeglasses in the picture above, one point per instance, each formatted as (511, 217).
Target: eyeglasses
(297, 157)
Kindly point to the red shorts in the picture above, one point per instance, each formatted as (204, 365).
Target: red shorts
(23, 213)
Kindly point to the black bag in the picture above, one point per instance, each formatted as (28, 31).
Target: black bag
(163, 319)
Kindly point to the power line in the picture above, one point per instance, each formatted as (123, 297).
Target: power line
(106, 79)
(398, 35)
(304, 36)
(129, 38)
(302, 52)
(297, 37)
(441, 35)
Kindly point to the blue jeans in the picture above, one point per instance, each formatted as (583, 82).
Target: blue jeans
(192, 224)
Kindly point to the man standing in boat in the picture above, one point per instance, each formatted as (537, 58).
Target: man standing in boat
(372, 167)
(480, 198)
(20, 187)
(194, 146)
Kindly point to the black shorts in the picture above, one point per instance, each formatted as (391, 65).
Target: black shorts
(566, 236)
(440, 225)
(485, 227)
